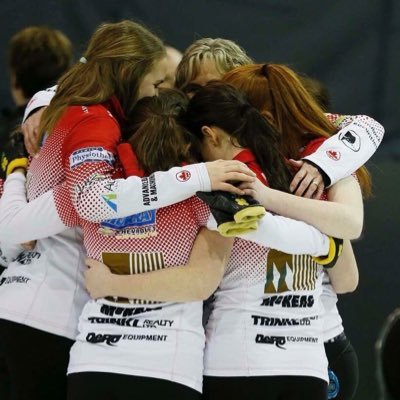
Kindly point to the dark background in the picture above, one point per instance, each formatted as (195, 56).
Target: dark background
(353, 46)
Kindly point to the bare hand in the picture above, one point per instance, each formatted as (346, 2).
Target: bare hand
(29, 245)
(97, 279)
(30, 129)
(257, 190)
(307, 182)
(221, 172)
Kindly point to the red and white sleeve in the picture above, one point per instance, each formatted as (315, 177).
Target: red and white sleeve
(89, 154)
(350, 148)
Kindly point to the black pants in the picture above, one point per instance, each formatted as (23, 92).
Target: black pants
(36, 361)
(343, 365)
(265, 387)
(4, 379)
(108, 386)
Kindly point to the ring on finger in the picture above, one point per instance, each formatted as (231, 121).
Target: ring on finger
(314, 183)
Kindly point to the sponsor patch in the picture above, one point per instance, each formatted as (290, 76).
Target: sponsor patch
(136, 226)
(334, 155)
(79, 188)
(131, 264)
(26, 257)
(149, 190)
(183, 176)
(351, 140)
(279, 341)
(91, 154)
(108, 198)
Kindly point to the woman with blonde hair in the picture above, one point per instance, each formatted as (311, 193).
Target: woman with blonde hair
(210, 58)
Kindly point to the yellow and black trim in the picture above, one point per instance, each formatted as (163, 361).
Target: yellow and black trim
(335, 250)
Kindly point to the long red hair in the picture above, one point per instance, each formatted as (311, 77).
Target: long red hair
(277, 91)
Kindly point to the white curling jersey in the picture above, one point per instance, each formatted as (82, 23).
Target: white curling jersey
(142, 338)
(331, 320)
(265, 318)
(44, 288)
(77, 162)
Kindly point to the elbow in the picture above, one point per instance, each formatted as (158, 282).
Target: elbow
(354, 232)
(346, 286)
(205, 291)
(354, 226)
(208, 284)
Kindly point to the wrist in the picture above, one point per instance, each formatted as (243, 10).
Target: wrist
(112, 284)
(17, 163)
(325, 177)
(20, 170)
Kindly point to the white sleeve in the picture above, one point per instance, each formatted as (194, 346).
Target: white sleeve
(342, 154)
(39, 99)
(46, 215)
(284, 234)
(100, 198)
(288, 235)
(21, 221)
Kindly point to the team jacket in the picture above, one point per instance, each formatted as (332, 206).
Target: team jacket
(266, 314)
(44, 288)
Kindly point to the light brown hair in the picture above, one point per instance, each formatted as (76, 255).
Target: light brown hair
(159, 139)
(117, 58)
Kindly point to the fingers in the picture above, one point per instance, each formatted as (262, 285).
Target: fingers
(232, 166)
(303, 186)
(246, 185)
(30, 129)
(249, 192)
(296, 163)
(297, 179)
(307, 182)
(30, 138)
(313, 189)
(93, 263)
(238, 167)
(227, 187)
(29, 245)
(238, 176)
(318, 193)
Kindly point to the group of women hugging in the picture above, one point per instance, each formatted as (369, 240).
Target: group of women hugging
(125, 204)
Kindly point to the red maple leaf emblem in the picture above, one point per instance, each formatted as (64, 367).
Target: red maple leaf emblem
(334, 155)
(183, 176)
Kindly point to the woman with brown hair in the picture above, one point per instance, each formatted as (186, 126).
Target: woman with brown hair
(42, 294)
(263, 331)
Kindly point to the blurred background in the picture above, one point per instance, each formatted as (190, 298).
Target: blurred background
(353, 47)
